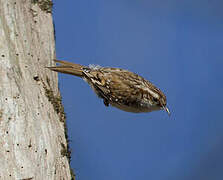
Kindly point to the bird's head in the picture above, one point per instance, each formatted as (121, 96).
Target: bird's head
(158, 100)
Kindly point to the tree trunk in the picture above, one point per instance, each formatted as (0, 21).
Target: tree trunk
(32, 122)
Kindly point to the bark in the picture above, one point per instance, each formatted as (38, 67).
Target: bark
(32, 122)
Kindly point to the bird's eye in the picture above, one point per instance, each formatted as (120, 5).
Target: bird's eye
(155, 100)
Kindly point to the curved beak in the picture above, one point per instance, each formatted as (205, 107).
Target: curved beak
(167, 110)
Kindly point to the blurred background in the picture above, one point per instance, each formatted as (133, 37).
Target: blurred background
(177, 45)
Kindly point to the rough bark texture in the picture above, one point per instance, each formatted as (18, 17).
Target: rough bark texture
(32, 121)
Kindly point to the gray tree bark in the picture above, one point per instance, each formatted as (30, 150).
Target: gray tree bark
(32, 122)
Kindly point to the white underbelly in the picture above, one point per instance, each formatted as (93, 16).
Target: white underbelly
(133, 109)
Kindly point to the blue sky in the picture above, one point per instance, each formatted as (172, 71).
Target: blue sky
(177, 45)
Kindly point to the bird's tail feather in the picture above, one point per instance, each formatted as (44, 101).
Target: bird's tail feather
(68, 68)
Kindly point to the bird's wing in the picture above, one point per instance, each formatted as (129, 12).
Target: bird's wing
(114, 84)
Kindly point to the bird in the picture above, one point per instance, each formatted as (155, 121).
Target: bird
(117, 87)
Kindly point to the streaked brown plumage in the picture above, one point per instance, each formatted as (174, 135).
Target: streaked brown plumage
(118, 87)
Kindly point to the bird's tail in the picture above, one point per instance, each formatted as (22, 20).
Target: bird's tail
(68, 68)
